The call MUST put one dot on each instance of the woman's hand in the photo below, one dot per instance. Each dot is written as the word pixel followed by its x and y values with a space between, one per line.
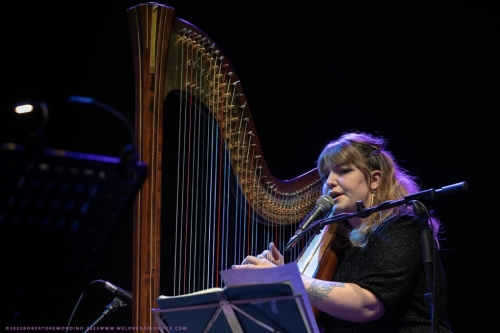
pixel 267 259
pixel 273 255
pixel 254 262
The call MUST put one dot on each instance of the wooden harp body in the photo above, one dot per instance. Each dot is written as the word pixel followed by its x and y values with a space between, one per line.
pixel 209 199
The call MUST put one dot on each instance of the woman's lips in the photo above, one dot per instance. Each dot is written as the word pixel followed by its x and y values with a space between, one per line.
pixel 335 195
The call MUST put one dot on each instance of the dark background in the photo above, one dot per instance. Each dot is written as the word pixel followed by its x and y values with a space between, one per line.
pixel 422 74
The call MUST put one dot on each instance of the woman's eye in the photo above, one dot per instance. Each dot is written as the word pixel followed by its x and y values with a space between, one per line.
pixel 343 171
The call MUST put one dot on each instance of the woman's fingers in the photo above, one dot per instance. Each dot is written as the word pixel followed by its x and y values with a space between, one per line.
pixel 276 255
pixel 274 250
pixel 254 262
pixel 268 258
pixel 250 260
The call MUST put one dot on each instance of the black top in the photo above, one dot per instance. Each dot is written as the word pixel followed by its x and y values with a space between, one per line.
pixel 391 266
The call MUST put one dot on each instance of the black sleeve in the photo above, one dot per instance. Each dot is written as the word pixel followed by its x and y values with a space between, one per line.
pixel 393 261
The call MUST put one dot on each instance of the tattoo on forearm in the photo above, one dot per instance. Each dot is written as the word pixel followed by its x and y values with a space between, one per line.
pixel 319 290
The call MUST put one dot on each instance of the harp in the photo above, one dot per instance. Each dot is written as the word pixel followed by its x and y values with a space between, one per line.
pixel 209 199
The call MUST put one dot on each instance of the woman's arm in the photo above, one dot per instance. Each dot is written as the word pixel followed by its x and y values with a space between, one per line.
pixel 346 301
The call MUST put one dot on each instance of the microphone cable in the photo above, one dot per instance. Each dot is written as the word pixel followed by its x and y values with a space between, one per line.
pixel 78 302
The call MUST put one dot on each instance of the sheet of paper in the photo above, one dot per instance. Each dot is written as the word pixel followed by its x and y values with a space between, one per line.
pixel 286 273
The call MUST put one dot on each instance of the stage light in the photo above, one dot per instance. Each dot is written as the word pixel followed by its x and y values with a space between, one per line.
pixel 24 108
pixel 27 107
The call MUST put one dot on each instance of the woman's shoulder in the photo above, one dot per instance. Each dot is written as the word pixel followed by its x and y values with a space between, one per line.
pixel 400 232
pixel 402 220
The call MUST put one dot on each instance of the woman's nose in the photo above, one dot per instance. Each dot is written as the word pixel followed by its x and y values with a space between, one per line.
pixel 331 182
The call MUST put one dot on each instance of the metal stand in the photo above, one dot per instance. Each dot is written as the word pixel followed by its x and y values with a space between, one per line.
pixel 429 257
pixel 118 302
pixel 363 212
pixel 264 308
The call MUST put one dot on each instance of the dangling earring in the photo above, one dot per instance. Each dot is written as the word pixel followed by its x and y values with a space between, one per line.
pixel 373 196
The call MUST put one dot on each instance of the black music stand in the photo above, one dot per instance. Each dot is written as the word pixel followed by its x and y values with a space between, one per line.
pixel 61 204
pixel 259 308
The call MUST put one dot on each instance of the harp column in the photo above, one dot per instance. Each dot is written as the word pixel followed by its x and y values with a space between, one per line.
pixel 150 25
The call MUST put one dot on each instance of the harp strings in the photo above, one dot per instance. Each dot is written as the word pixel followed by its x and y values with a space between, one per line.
pixel 220 189
pixel 202 171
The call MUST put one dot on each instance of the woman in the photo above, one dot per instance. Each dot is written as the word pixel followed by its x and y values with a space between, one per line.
pixel 380 285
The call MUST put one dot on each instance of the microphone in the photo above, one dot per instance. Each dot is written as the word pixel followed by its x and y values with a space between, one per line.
pixel 127 295
pixel 324 204
pixel 122 298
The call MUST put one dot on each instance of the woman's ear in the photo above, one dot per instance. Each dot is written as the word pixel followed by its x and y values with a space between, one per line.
pixel 375 179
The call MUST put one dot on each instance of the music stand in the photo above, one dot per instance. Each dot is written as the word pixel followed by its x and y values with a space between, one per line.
pixel 259 308
pixel 63 204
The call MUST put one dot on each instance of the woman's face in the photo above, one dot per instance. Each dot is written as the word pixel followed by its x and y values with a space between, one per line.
pixel 347 185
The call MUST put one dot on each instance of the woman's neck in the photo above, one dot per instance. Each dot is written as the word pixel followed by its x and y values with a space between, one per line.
pixel 355 222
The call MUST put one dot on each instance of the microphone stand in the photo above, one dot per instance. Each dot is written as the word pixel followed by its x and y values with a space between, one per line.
pixel 429 257
pixel 364 212
pixel 118 302
pixel 428 244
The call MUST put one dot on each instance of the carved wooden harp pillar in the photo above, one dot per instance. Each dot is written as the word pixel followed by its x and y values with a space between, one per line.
pixel 209 199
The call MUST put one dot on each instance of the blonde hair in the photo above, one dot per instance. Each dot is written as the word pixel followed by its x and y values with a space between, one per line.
pixel 368 153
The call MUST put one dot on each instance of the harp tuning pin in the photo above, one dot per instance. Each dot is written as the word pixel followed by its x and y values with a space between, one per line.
pixel 230 74
pixel 235 83
pixel 256 156
pixel 243 106
pixel 246 119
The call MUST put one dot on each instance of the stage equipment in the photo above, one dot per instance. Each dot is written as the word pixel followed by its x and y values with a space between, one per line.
pixel 58 208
